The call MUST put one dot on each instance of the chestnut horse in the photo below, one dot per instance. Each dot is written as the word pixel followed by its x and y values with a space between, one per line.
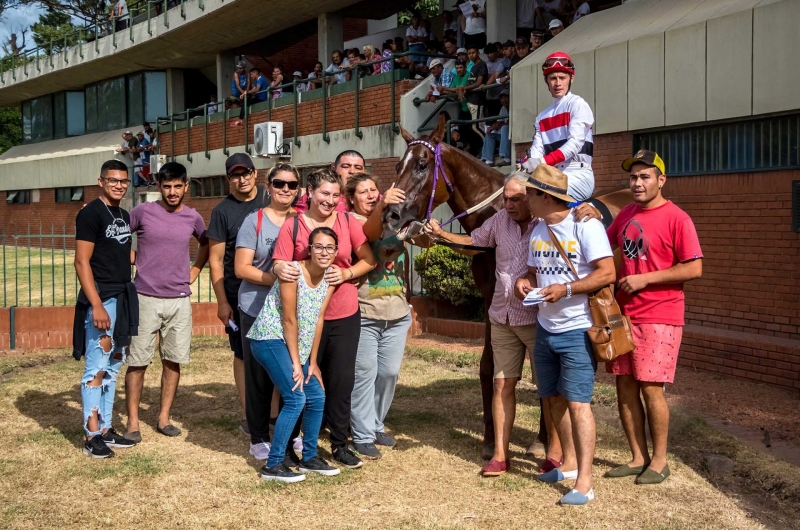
pixel 466 182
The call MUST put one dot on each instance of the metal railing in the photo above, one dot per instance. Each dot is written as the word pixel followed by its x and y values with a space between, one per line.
pixel 89 33
pixel 37 267
pixel 325 87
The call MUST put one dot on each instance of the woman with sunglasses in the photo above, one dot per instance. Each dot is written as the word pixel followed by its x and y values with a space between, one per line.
pixel 385 318
pixel 285 341
pixel 252 263
pixel 564 130
pixel 340 334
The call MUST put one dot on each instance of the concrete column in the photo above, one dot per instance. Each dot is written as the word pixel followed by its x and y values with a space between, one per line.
pixel 226 62
pixel 501 20
pixel 176 91
pixel 330 35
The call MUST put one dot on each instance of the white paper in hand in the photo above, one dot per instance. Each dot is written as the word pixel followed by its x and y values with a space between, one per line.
pixel 533 298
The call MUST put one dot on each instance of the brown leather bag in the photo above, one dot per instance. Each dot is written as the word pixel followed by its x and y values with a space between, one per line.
pixel 610 334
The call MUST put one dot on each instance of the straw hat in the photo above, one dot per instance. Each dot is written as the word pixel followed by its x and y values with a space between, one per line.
pixel 549 180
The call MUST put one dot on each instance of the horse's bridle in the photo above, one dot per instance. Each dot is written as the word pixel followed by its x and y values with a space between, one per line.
pixel 438 168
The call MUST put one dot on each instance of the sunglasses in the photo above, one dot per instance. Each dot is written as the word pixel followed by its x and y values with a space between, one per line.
pixel 279 184
pixel 558 61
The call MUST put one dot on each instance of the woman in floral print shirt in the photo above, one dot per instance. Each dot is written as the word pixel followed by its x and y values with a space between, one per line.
pixel 285 340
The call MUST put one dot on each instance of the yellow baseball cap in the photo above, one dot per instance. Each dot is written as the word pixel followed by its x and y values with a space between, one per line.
pixel 648 158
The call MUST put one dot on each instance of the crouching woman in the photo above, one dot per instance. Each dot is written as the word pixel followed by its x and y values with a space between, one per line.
pixel 284 340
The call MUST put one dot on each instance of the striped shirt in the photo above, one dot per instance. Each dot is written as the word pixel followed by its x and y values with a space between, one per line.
pixel 503 233
pixel 564 134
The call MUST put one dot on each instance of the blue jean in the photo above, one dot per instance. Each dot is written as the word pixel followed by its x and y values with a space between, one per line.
pixel 380 352
pixel 274 356
pixel 565 364
pixel 100 398
pixel 490 141
pixel 418 47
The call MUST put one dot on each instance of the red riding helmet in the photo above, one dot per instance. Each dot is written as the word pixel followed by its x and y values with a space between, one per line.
pixel 558 62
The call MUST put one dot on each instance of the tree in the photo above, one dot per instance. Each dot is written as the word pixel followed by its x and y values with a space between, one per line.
pixel 86 10
pixel 426 8
pixel 54 26
pixel 10 128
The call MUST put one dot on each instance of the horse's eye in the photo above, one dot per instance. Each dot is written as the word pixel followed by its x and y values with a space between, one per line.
pixel 423 166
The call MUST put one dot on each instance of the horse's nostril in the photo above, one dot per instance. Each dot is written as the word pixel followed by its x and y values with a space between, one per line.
pixel 393 216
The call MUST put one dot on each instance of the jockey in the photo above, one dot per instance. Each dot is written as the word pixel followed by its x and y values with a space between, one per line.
pixel 564 129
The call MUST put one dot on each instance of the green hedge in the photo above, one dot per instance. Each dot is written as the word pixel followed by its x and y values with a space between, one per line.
pixel 446 276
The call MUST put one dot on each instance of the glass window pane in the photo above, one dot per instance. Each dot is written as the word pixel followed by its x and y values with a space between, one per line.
pixel 135 100
pixel 90 93
pixel 76 124
pixel 59 115
pixel 26 121
pixel 111 104
pixel 155 95
pixel 42 119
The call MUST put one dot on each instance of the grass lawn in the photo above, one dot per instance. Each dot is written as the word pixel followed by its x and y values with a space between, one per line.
pixel 206 479
pixel 50 280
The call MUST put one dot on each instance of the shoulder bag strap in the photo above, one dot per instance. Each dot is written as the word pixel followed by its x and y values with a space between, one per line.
pixel 261 215
pixel 564 256
pixel 294 230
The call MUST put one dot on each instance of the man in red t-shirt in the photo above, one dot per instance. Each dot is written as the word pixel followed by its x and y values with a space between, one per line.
pixel 660 251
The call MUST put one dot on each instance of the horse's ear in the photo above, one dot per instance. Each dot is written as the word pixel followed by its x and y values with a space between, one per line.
pixel 438 133
pixel 406 135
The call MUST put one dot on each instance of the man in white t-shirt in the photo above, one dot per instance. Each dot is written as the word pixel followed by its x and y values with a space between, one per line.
pixel 565 363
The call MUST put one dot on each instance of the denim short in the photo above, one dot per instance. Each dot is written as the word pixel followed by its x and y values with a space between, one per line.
pixel 565 364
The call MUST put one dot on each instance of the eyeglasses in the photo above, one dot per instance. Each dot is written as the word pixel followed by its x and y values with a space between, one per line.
pixel 243 176
pixel 558 61
pixel 114 182
pixel 323 249
pixel 279 184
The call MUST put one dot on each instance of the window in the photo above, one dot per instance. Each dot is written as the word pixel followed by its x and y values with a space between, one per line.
pixel 18 197
pixel 69 194
pixel 42 118
pixel 210 187
pixel 155 95
pixel 135 100
pixel 76 116
pixel 754 145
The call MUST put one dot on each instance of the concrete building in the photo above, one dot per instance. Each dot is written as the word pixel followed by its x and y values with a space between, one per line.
pixel 710 86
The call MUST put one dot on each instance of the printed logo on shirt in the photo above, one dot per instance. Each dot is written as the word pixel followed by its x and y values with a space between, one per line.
pixel 119 230
pixel 635 242
pixel 549 260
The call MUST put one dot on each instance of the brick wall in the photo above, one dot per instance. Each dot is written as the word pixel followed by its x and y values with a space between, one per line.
pixel 302 55
pixel 374 106
pixel 743 315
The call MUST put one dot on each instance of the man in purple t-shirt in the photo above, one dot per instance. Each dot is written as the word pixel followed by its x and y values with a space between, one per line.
pixel 164 230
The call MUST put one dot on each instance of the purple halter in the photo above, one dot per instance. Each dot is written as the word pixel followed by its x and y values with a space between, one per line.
pixel 438 168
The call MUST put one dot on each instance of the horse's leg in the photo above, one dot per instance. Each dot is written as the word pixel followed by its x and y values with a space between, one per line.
pixel 483 266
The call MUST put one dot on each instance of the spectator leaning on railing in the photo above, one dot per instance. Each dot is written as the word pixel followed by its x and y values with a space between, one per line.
pixel 239 83
pixel 119 15
pixel 338 68
pixel 442 78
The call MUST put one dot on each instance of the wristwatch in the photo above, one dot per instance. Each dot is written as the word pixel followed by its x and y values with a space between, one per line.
pixel 569 291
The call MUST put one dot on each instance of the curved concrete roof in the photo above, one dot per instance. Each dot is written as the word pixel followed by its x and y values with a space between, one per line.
pixel 657 63
pixel 192 42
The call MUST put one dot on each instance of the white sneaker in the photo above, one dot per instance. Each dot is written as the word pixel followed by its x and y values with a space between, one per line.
pixel 260 451
pixel 297 443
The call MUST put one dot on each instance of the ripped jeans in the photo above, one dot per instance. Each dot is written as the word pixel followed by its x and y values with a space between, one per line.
pixel 100 398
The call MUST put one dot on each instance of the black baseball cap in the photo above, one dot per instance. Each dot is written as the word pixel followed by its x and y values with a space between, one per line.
pixel 523 41
pixel 648 158
pixel 508 44
pixel 239 160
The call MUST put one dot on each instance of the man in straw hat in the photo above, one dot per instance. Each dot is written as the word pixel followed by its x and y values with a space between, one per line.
pixel 565 364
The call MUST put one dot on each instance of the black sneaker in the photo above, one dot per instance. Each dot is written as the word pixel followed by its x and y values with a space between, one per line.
pixel 381 438
pixel 97 448
pixel 291 459
pixel 368 451
pixel 318 465
pixel 114 439
pixel 346 457
pixel 281 473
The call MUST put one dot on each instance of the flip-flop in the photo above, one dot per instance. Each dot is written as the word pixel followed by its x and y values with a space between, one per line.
pixel 169 430
pixel 549 465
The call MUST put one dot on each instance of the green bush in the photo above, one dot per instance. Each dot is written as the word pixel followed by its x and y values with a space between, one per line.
pixel 446 276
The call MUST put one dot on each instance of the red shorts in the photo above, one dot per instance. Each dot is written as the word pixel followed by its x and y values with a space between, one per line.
pixel 656 355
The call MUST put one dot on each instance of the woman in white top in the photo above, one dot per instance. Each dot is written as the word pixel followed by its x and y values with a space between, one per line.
pixel 416 36
pixel 474 25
